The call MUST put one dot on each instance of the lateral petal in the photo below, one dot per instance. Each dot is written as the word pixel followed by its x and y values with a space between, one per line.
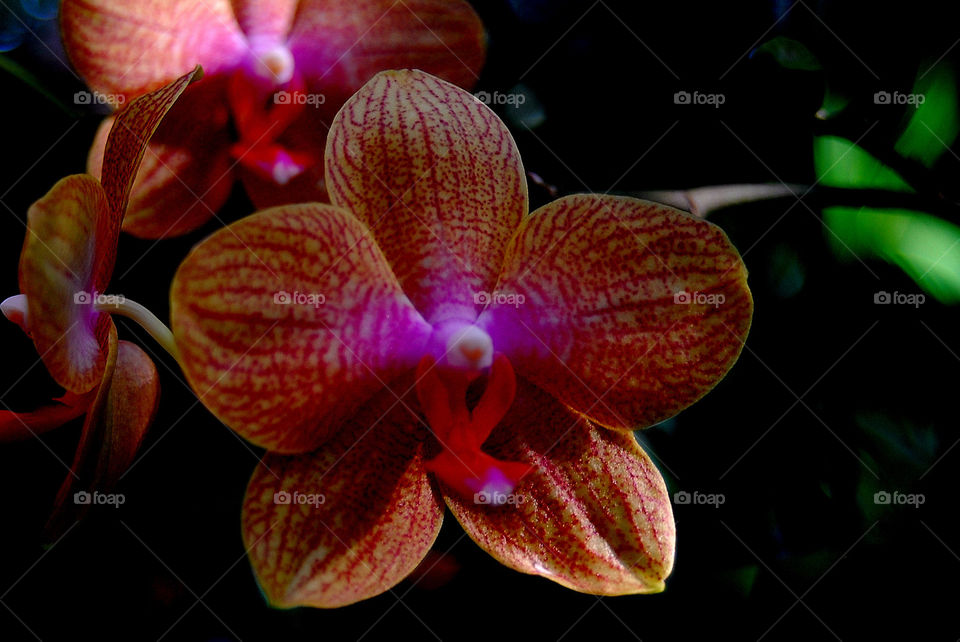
pixel 626 310
pixel 129 48
pixel 288 320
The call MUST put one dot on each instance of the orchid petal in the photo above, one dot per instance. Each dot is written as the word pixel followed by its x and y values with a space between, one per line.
pixel 185 175
pixel 132 129
pixel 115 426
pixel 71 242
pixel 437 178
pixel 626 310
pixel 265 20
pixel 129 48
pixel 348 521
pixel 288 320
pixel 339 45
pixel 594 515
pixel 61 266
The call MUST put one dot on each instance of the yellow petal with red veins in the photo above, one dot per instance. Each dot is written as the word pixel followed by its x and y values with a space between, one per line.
pixel 626 310
pixel 114 428
pixel 340 44
pixel 129 48
pixel 348 521
pixel 290 319
pixel 186 173
pixel 593 515
pixel 437 178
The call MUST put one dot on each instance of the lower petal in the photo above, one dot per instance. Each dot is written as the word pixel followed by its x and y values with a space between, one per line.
pixel 593 515
pixel 112 433
pixel 348 521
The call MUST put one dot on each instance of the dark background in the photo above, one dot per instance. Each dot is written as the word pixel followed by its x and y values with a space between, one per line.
pixel 833 399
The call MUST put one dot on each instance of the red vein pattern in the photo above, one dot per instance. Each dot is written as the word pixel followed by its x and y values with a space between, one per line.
pixel 336 45
pixel 594 515
pixel 130 48
pixel 379 515
pixel 285 375
pixel 600 325
pixel 437 177
pixel 341 44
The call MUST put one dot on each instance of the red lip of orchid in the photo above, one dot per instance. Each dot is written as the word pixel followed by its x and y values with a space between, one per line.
pixel 275 74
pixel 65 266
pixel 353 336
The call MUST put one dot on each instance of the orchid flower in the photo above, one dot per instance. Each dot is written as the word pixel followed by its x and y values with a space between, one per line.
pixel 423 340
pixel 65 267
pixel 276 72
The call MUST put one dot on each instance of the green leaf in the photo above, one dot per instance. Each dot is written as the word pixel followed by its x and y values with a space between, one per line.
pixel 839 162
pixel 934 124
pixel 927 248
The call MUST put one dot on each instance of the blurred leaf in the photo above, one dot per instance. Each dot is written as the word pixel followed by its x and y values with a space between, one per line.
pixel 935 122
pixel 925 247
pixel 838 162
pixel 789 54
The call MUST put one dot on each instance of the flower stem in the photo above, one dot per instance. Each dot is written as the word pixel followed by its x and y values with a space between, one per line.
pixel 146 319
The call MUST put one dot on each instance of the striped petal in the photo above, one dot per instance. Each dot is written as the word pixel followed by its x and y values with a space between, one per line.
pixel 185 175
pixel 437 177
pixel 339 45
pixel 129 48
pixel 626 310
pixel 348 521
pixel 594 515
pixel 112 432
pixel 288 320
pixel 71 242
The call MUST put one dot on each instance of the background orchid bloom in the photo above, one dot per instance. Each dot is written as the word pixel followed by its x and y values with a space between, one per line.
pixel 234 124
pixel 378 337
pixel 65 266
